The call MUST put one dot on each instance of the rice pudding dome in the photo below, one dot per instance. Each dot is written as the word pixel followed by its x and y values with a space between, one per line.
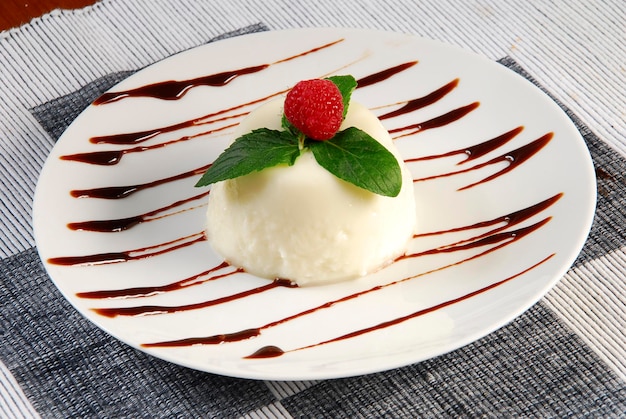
pixel 302 223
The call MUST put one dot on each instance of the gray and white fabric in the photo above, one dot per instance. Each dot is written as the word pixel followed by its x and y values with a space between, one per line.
pixel 565 357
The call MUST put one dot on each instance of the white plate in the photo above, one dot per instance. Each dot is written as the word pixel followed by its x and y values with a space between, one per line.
pixel 454 296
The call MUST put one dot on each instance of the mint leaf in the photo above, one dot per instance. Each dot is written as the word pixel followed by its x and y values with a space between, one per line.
pixel 288 126
pixel 252 152
pixel 346 85
pixel 354 156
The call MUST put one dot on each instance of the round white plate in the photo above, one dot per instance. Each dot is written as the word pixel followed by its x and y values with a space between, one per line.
pixel 458 287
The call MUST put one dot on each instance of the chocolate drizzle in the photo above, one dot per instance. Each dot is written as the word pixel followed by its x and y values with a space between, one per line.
pixel 439 121
pixel 155 309
pixel 514 158
pixel 121 224
pixel 502 231
pixel 475 151
pixel 128 255
pixel 175 89
pixel 112 157
pixel 429 99
pixel 154 290
pixel 384 74
pixel 119 192
pixel 491 241
pixel 273 351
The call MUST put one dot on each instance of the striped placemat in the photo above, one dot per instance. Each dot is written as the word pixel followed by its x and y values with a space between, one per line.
pixel 563 357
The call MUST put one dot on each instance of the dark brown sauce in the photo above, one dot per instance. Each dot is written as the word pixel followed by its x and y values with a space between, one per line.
pixel 496 240
pixel 436 122
pixel 119 192
pixel 175 89
pixel 506 221
pixel 311 51
pixel 384 75
pixel 128 255
pixel 486 243
pixel 147 291
pixel 130 138
pixel 270 351
pixel 514 158
pixel 156 309
pixel 211 340
pixel 121 224
pixel 475 151
pixel 144 135
pixel 112 157
pixel 415 314
pixel 429 99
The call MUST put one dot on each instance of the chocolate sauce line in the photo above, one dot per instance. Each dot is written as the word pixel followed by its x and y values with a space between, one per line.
pixel 514 158
pixel 113 157
pixel 436 122
pixel 384 74
pixel 144 135
pixel 504 239
pixel 421 102
pixel 176 89
pixel 493 237
pixel 475 151
pixel 122 224
pixel 274 351
pixel 161 309
pixel 311 51
pixel 507 221
pixel 137 137
pixel 128 255
pixel 154 290
pixel 119 192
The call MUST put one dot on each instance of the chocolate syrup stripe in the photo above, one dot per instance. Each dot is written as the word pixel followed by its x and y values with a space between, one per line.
pixel 156 309
pixel 437 122
pixel 513 159
pixel 119 192
pixel 421 102
pixel 112 157
pixel 274 351
pixel 475 151
pixel 128 255
pixel 176 89
pixel 507 221
pixel 154 290
pixel 122 224
pixel 140 136
pixel 504 239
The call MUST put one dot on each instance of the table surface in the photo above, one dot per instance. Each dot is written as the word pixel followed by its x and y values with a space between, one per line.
pixel 565 356
pixel 15 13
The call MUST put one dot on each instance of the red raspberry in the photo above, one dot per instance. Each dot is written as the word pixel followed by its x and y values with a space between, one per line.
pixel 315 107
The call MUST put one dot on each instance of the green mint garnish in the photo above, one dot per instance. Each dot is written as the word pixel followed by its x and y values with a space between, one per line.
pixel 354 156
pixel 346 85
pixel 252 152
pixel 351 155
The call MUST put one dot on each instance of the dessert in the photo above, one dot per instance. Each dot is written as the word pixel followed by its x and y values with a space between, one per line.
pixel 297 220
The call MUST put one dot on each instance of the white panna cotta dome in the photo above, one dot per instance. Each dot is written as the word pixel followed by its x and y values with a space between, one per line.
pixel 304 224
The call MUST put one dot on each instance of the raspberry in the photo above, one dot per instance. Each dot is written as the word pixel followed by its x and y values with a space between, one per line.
pixel 315 107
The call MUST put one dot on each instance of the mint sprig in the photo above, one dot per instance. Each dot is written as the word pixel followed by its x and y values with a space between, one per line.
pixel 351 155
pixel 356 157
pixel 252 152
pixel 346 85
